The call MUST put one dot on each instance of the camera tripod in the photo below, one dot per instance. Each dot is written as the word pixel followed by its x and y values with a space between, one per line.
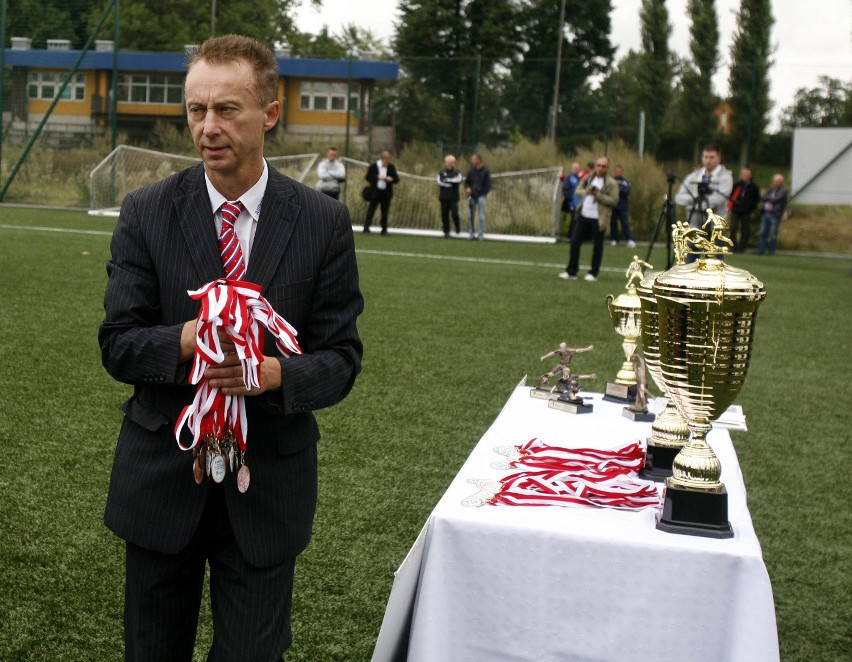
pixel 665 219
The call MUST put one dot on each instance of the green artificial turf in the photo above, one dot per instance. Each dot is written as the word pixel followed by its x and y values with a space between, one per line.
pixel 449 328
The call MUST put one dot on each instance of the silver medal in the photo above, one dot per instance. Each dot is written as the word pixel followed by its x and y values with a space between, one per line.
pixel 217 467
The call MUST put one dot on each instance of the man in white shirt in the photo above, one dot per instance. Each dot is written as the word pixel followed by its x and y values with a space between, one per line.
pixel 598 193
pixel 331 172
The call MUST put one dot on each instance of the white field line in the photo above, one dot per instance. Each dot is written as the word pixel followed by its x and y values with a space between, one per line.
pixel 364 251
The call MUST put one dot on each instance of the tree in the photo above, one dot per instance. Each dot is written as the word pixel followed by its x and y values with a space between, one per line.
pixel 450 54
pixel 698 99
pixel 586 54
pixel 655 73
pixel 828 104
pixel 748 79
pixel 41 20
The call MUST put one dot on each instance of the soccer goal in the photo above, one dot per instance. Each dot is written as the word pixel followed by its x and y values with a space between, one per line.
pixel 522 206
pixel 128 168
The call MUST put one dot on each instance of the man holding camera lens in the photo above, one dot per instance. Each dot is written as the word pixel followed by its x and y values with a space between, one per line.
pixel 708 187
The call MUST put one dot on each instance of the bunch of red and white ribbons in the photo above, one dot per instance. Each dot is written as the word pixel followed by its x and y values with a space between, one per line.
pixel 238 309
pixel 558 476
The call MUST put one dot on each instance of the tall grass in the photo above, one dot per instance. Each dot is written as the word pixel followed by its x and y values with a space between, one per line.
pixel 449 328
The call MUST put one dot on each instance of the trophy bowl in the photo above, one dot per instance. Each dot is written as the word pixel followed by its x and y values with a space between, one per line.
pixel 706 316
pixel 669 432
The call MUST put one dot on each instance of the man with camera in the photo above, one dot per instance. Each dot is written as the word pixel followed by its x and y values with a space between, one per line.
pixel 708 187
pixel 598 193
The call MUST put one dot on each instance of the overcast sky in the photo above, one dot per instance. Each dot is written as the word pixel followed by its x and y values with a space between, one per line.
pixel 811 38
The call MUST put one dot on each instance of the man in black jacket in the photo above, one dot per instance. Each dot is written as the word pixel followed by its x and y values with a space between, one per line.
pixel 382 177
pixel 477 185
pixel 744 199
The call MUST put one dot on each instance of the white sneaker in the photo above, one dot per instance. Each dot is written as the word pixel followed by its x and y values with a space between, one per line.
pixel 613 243
pixel 631 244
pixel 589 278
pixel 564 275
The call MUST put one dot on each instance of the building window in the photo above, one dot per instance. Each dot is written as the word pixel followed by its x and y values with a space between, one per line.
pixel 142 88
pixel 45 84
pixel 315 95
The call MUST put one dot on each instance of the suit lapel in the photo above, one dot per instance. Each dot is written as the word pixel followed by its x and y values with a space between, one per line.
pixel 278 215
pixel 196 223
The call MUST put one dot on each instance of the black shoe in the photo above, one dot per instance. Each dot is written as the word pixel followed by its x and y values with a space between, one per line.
pixel 384 231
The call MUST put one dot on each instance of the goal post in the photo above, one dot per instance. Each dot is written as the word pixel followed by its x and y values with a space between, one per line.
pixel 522 205
pixel 128 168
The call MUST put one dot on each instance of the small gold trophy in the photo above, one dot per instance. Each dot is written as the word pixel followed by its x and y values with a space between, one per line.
pixel 624 311
pixel 669 432
pixel 707 312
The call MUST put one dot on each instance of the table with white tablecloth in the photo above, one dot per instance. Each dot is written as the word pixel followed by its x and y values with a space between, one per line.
pixel 513 583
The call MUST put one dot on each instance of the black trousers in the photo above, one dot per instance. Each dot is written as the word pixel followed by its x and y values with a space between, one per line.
pixel 251 606
pixel 450 207
pixel 381 200
pixel 586 229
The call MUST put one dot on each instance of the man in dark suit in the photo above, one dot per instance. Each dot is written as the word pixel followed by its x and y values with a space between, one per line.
pixel 297 244
pixel 382 177
pixel 743 202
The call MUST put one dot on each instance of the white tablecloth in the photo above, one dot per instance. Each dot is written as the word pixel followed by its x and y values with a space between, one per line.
pixel 498 583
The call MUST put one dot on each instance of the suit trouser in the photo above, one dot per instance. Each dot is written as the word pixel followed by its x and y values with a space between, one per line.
pixel 382 201
pixel 251 606
pixel 586 229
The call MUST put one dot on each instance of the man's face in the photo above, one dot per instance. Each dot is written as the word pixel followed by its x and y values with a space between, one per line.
pixel 601 166
pixel 619 171
pixel 475 161
pixel 710 159
pixel 777 181
pixel 332 155
pixel 745 175
pixel 449 164
pixel 226 118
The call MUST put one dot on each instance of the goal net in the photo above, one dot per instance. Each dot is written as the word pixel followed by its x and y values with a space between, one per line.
pixel 129 168
pixel 524 204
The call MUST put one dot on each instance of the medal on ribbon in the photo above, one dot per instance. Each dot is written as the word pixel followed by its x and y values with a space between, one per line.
pixel 218 422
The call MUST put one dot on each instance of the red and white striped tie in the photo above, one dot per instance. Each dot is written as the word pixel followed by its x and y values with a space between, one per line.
pixel 229 243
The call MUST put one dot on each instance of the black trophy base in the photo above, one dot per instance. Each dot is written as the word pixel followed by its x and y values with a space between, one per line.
pixel 571 406
pixel 695 513
pixel 542 393
pixel 638 416
pixel 620 393
pixel 658 462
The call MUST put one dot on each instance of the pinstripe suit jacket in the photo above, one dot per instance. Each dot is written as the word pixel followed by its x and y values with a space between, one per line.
pixel 303 256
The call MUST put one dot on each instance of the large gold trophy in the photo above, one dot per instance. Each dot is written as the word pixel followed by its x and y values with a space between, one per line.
pixel 625 313
pixel 706 313
pixel 669 432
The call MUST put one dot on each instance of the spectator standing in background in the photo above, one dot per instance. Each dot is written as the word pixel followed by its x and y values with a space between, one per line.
pixel 744 199
pixel 477 185
pixel 382 176
pixel 448 193
pixel 570 200
pixel 620 212
pixel 774 204
pixel 331 172
pixel 599 193
pixel 707 187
